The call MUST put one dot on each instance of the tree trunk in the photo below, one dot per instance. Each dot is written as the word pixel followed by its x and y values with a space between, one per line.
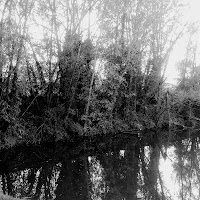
pixel 153 172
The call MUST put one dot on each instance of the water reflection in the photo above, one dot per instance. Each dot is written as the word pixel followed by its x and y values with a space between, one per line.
pixel 53 173
pixel 129 173
pixel 33 182
pixel 73 182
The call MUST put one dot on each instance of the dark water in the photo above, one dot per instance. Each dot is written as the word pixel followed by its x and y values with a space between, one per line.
pixel 108 170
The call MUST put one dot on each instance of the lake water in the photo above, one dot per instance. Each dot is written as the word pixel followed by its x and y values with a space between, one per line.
pixel 80 171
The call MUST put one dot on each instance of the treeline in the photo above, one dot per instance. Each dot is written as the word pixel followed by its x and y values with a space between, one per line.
pixel 53 86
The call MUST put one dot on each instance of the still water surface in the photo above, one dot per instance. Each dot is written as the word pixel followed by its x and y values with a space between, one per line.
pixel 57 171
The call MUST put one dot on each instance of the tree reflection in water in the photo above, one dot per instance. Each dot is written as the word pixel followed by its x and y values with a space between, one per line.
pixel 118 174
pixel 110 175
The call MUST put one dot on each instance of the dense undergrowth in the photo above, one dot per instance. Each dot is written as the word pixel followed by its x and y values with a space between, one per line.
pixel 79 103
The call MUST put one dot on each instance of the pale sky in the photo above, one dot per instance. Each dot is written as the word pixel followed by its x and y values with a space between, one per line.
pixel 192 14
